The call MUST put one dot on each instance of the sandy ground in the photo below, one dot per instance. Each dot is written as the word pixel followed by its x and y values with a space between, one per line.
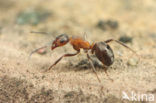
pixel 24 80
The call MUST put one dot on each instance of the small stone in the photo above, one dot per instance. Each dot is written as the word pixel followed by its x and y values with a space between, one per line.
pixel 153 36
pixel 132 62
pixel 125 39
pixel 107 24
pixel 112 24
pixel 70 94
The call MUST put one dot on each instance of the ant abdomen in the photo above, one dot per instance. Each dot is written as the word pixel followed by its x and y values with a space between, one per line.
pixel 104 53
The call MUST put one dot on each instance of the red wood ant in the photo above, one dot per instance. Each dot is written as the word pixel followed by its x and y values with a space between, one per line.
pixel 102 50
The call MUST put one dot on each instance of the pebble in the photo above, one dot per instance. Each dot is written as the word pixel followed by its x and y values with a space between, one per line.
pixel 107 24
pixel 132 62
pixel 125 39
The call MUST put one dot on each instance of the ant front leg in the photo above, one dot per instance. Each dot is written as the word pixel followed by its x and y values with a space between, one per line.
pixel 65 55
pixel 36 50
pixel 90 61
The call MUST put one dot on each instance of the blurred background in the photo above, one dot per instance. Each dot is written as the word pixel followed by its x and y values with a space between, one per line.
pixel 121 19
pixel 130 21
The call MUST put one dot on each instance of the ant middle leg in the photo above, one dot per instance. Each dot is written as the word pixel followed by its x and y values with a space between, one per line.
pixel 105 70
pixel 65 55
pixel 90 61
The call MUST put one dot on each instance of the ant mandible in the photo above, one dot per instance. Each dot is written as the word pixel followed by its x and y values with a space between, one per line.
pixel 102 50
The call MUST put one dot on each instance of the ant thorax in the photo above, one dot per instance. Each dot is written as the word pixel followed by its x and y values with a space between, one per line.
pixel 79 43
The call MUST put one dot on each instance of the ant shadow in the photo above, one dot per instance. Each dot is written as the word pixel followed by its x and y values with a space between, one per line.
pixel 82 66
pixel 85 65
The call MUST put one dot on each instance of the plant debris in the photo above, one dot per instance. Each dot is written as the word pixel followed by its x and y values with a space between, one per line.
pixel 32 16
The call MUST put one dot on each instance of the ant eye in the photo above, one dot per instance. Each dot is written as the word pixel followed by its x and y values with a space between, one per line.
pixel 108 47
pixel 63 40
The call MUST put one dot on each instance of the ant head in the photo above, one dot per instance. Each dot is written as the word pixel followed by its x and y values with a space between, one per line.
pixel 60 40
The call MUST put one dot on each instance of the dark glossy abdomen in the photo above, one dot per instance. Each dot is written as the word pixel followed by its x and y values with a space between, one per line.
pixel 104 53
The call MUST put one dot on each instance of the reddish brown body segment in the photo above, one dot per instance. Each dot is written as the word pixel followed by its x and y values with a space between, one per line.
pixel 79 43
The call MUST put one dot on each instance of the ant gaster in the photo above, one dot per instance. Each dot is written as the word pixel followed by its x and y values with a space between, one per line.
pixel 102 50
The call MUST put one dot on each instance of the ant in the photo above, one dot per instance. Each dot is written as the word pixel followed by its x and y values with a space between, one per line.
pixel 102 50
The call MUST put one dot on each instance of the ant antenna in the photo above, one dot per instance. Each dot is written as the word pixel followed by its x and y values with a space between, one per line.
pixel 45 46
pixel 39 32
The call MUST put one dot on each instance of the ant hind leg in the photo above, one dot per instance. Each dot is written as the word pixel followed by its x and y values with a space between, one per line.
pixel 105 70
pixel 110 40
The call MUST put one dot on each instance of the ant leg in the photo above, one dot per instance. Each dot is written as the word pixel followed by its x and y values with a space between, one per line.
pixel 110 40
pixel 45 46
pixel 90 61
pixel 105 70
pixel 36 50
pixel 65 55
